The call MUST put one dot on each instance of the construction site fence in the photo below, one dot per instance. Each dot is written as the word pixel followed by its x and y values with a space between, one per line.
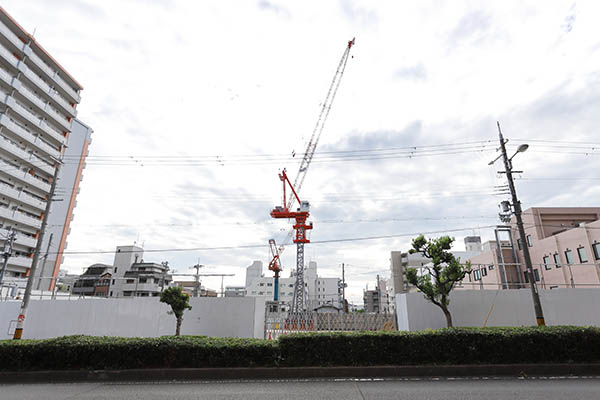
pixel 283 323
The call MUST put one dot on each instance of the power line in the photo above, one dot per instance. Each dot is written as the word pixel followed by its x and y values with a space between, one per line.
pixel 250 246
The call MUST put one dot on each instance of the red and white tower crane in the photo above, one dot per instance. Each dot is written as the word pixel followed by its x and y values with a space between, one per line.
pixel 301 214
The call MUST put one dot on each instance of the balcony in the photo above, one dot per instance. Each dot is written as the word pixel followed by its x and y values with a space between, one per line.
pixel 35 141
pixel 14 39
pixel 34 120
pixel 45 108
pixel 29 158
pixel 23 262
pixel 6 77
pixel 54 75
pixel 8 56
pixel 21 196
pixel 142 287
pixel 17 216
pixel 23 176
pixel 26 241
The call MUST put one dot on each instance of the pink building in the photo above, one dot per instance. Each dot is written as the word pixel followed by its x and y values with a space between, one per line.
pixel 564 243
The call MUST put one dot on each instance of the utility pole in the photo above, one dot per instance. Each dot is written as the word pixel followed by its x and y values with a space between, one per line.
pixel 6 253
pixel 44 264
pixel 378 296
pixel 537 305
pixel 165 265
pixel 36 256
pixel 197 286
pixel 344 303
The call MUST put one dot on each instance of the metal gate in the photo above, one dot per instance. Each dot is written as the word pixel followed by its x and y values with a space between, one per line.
pixel 282 323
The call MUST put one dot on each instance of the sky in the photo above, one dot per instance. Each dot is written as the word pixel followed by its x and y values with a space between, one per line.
pixel 197 106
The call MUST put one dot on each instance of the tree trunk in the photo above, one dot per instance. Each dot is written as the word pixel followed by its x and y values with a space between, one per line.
pixel 178 329
pixel 448 316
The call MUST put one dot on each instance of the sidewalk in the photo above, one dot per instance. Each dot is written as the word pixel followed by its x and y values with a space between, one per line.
pixel 191 374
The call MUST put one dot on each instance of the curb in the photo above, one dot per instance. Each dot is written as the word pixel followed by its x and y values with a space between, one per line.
pixel 198 374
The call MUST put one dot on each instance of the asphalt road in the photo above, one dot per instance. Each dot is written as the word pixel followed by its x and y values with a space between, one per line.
pixel 347 389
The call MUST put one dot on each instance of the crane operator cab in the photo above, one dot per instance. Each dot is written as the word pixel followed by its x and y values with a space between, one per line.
pixel 304 206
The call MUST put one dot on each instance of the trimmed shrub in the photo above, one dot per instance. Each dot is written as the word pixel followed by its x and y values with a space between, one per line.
pixel 90 352
pixel 555 344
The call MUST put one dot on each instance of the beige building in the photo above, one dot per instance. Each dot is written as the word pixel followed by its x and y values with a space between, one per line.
pixel 564 243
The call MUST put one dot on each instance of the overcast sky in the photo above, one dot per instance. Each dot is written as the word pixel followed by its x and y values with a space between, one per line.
pixel 176 91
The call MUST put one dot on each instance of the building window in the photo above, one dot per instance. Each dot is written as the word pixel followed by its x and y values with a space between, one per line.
pixel 537 275
pixel 261 284
pixel 142 280
pixel 596 248
pixel 115 270
pixel 483 271
pixel 547 265
pixel 529 241
pixel 557 263
pixel 113 282
pixel 569 256
pixel 269 284
pixel 520 244
pixel 526 276
pixel 129 281
pixel 254 292
pixel 582 254
pixel 477 275
pixel 111 293
pixel 491 267
pixel 261 293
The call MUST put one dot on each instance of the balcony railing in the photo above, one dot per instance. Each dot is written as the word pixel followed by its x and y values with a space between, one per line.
pixel 18 216
pixel 24 262
pixel 28 136
pixel 23 176
pixel 8 56
pixel 36 121
pixel 21 196
pixel 32 160
pixel 14 39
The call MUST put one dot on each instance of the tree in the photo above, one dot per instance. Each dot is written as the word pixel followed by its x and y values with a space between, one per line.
pixel 446 271
pixel 178 301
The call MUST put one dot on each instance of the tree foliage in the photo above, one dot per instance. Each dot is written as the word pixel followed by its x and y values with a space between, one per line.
pixel 443 274
pixel 178 301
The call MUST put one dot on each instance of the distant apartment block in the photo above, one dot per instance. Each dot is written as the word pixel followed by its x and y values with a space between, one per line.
pixel 564 244
pixel 128 276
pixel 235 291
pixel 38 100
pixel 318 290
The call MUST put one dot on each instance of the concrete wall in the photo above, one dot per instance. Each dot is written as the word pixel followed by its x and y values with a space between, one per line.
pixel 145 317
pixel 508 308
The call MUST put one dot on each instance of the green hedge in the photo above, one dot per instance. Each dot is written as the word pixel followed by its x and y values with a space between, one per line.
pixel 445 346
pixel 562 344
pixel 90 352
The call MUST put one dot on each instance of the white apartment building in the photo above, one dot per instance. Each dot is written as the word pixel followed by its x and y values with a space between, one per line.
pixel 319 290
pixel 38 100
pixel 401 261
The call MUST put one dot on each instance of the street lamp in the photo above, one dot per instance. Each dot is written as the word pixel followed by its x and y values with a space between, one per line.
pixel 537 305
